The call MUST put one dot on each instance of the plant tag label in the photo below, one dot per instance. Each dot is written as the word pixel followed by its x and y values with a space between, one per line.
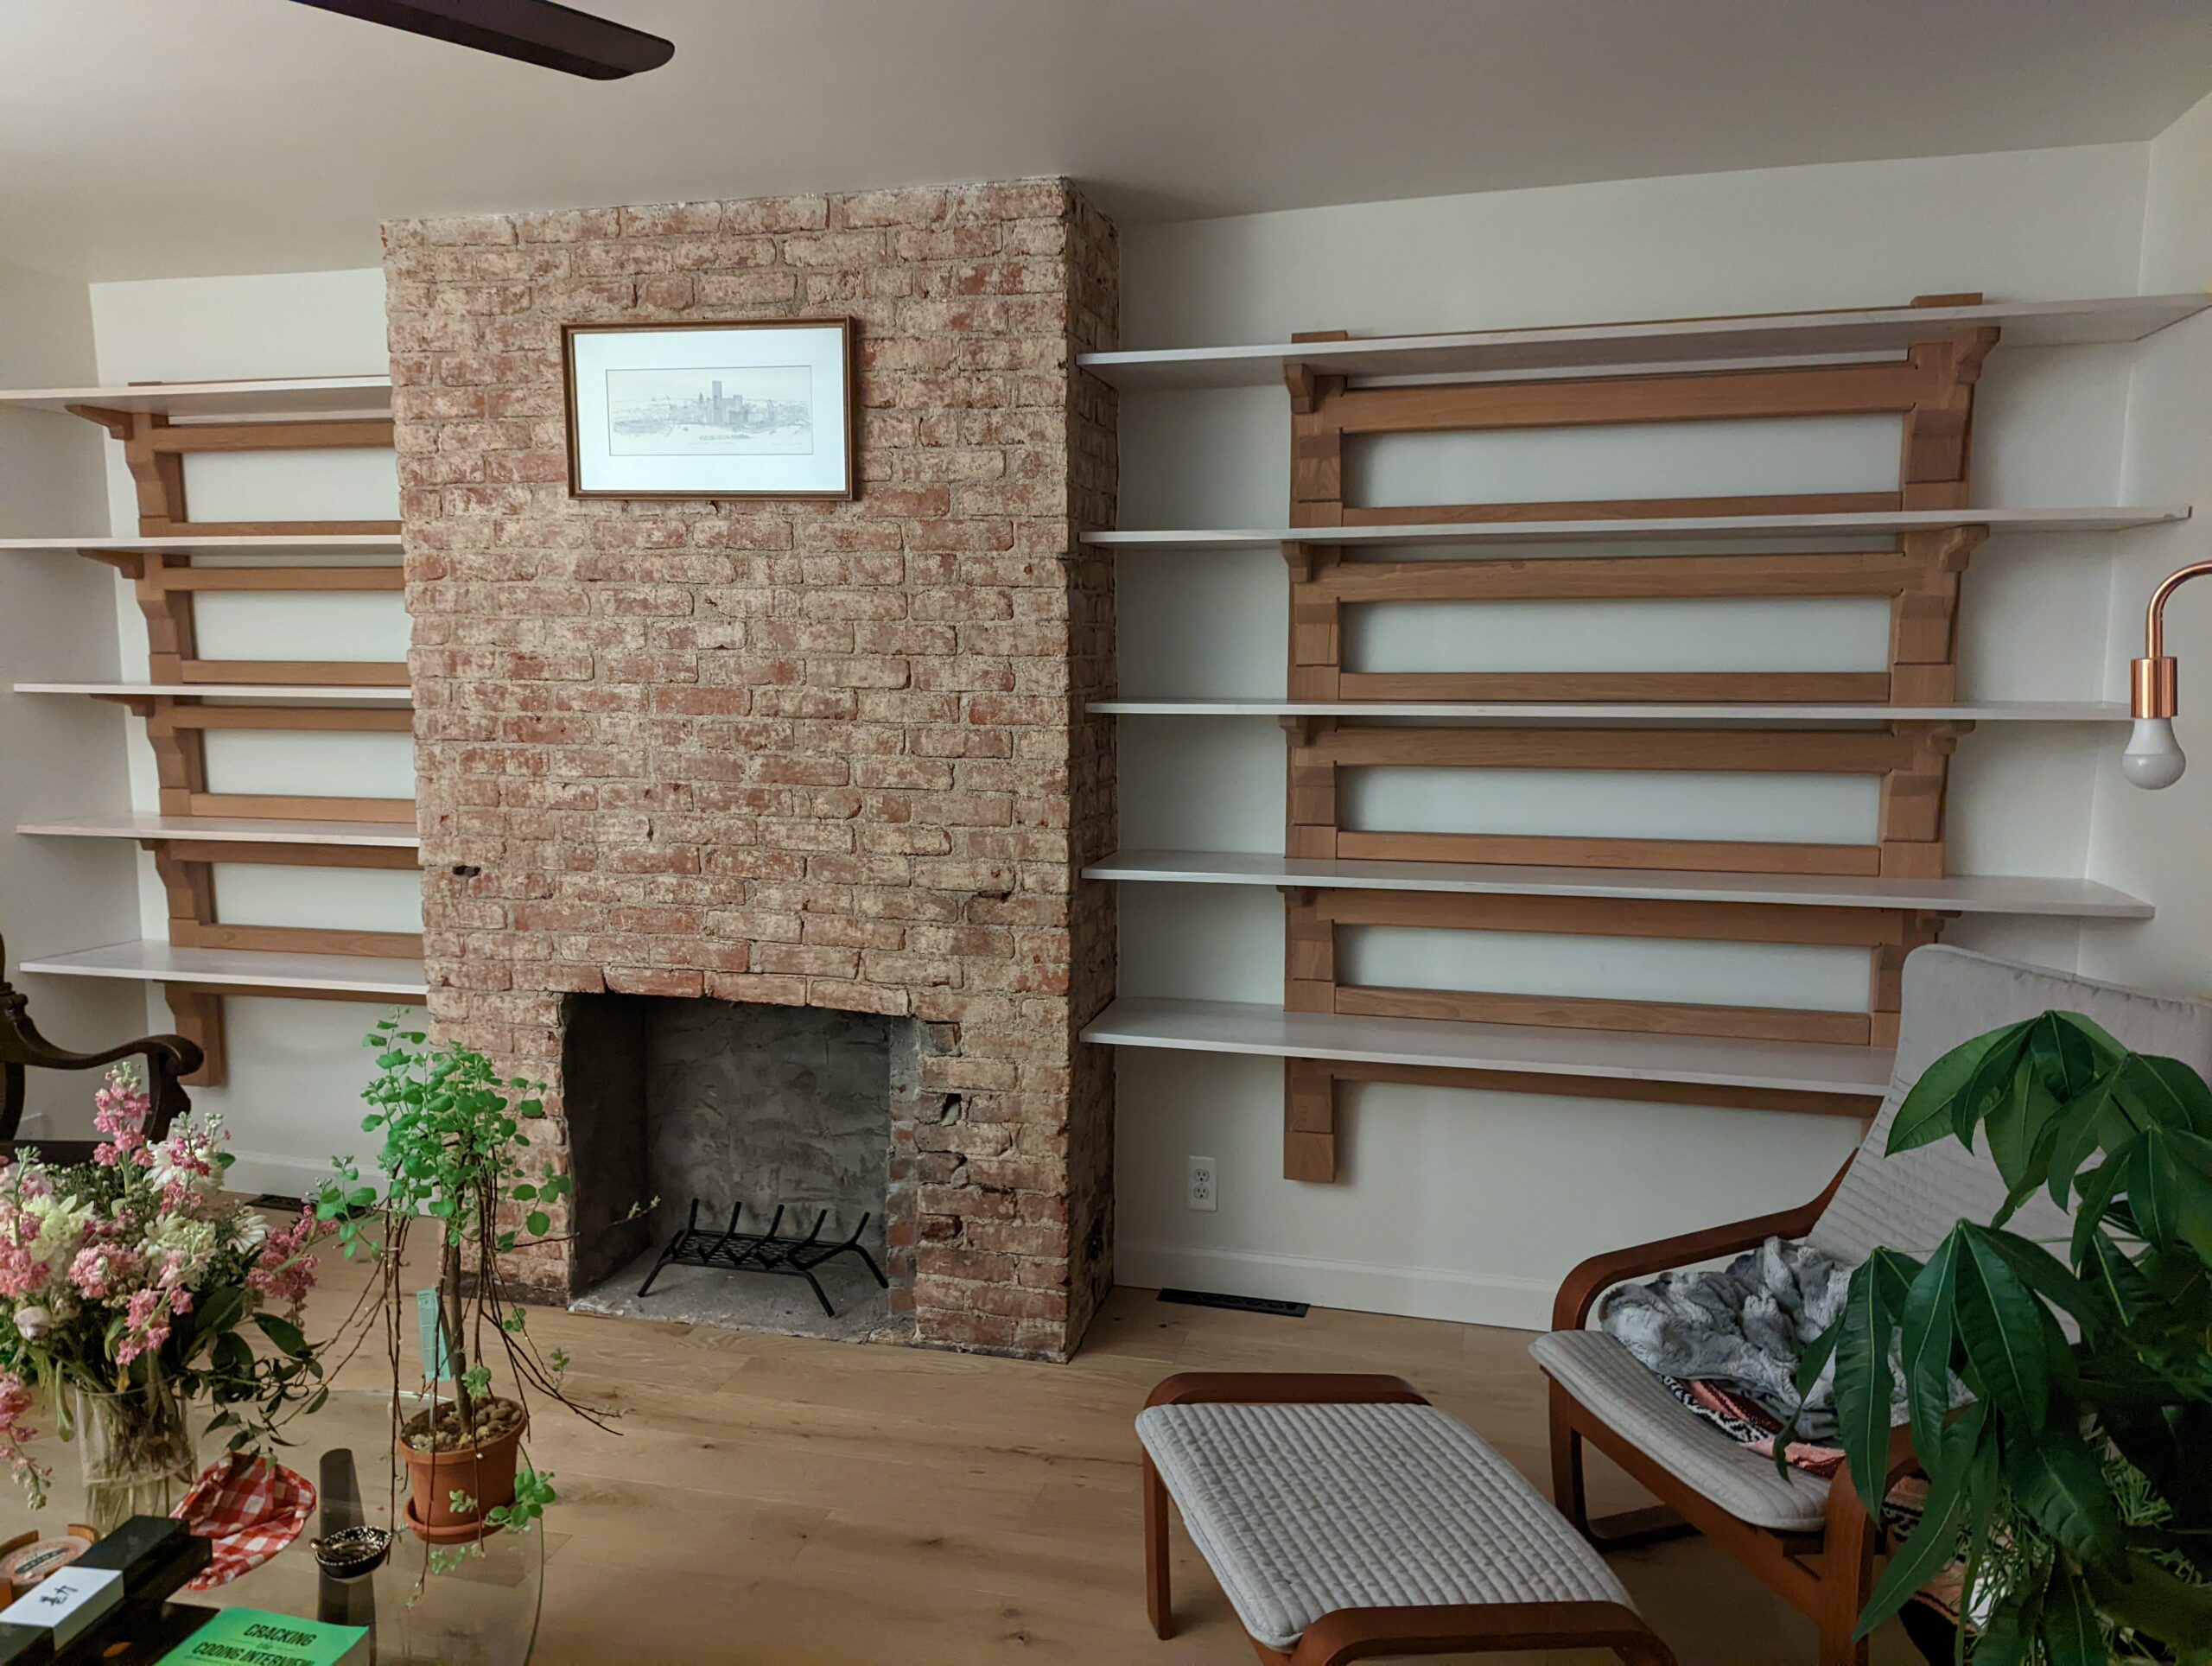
pixel 68 1603
pixel 437 1363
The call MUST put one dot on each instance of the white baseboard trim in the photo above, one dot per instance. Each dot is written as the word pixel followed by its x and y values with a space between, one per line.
pixel 1520 1304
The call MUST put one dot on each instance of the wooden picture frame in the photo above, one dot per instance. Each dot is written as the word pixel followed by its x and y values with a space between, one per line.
pixel 738 407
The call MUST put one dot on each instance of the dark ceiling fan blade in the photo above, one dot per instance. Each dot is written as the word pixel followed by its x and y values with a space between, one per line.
pixel 536 31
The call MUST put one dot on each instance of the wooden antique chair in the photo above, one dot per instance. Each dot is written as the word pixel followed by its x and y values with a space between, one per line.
pixel 170 1059
pixel 1809 1539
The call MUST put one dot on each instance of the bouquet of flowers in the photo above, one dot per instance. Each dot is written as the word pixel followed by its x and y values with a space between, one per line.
pixel 126 1284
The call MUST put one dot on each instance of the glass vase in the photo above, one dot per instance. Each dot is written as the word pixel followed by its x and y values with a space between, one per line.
pixel 137 1453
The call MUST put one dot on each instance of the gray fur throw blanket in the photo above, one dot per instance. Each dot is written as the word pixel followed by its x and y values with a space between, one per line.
pixel 1742 1327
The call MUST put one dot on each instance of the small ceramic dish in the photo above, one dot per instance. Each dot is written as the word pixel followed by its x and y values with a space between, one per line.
pixel 354 1551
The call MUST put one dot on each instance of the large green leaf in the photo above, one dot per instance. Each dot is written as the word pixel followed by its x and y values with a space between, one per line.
pixel 1928 1112
pixel 1926 1353
pixel 2099 1187
pixel 1936 1540
pixel 2071 1050
pixel 2049 1277
pixel 2096 1119
pixel 2167 1091
pixel 2006 1637
pixel 1810 1364
pixel 2129 1294
pixel 2059 1482
pixel 2013 1126
pixel 2071 1636
pixel 2155 1600
pixel 2154 1180
pixel 1863 1376
pixel 2002 1327
pixel 1990 1081
pixel 2065 1055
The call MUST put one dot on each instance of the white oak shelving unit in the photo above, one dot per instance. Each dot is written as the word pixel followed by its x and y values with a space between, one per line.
pixel 1671 346
pixel 358 543
pixel 225 830
pixel 289 399
pixel 1911 545
pixel 281 693
pixel 173 560
pixel 1675 529
pixel 1649 713
pixel 1586 1055
pixel 2062 899
pixel 388 978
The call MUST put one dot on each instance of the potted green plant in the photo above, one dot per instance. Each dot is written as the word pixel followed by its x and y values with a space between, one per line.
pixel 458 1162
pixel 2061 1404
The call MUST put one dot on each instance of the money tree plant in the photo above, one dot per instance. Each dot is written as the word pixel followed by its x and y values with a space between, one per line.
pixel 459 1163
pixel 2059 1394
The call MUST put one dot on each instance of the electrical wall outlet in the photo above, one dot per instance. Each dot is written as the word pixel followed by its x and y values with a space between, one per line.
pixel 1203 1190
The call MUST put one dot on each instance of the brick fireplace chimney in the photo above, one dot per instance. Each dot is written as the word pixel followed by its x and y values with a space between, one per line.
pixel 782 751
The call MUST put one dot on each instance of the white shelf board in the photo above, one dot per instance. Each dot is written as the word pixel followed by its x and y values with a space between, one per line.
pixel 1674 343
pixel 1648 529
pixel 1733 715
pixel 228 830
pixel 306 399
pixel 349 544
pixel 1960 894
pixel 161 963
pixel 1271 1032
pixel 287 694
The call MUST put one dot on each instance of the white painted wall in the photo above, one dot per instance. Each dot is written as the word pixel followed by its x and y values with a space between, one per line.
pixel 57 756
pixel 1470 1206
pixel 295 1066
pixel 2160 843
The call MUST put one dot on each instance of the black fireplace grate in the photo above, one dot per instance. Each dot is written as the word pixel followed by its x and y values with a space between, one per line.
pixel 772 1251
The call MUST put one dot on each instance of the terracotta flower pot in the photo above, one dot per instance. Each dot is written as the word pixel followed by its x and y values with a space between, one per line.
pixel 485 1473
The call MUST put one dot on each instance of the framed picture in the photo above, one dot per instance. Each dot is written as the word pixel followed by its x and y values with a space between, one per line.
pixel 762 408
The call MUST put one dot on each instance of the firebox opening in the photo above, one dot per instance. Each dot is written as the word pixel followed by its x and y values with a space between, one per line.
pixel 781 1114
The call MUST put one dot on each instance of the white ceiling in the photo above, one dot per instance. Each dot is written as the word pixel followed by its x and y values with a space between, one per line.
pixel 160 138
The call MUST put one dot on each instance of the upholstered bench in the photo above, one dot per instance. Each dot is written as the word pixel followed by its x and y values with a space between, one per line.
pixel 1347 1518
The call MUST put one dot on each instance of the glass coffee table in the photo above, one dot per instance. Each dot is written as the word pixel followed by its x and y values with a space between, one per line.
pixel 477 1608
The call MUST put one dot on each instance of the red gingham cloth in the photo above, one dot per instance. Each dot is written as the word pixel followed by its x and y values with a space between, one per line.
pixel 250 1508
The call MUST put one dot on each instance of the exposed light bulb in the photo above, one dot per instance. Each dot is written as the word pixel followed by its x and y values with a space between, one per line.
pixel 2153 759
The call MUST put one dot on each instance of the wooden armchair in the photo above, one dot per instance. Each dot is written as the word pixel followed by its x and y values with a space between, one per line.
pixel 1812 1541
pixel 170 1059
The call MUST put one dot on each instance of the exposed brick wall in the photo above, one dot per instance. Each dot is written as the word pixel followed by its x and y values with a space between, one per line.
pixel 823 754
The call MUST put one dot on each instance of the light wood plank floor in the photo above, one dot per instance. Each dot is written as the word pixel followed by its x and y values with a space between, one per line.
pixel 772 1501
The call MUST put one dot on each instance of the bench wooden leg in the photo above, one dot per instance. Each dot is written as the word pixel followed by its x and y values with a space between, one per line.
pixel 1354 1634
pixel 1568 1495
pixel 1158 1600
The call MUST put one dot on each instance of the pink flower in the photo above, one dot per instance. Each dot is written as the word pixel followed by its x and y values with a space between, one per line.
pixel 284 1273
pixel 100 1270
pixel 21 1273
pixel 145 1325
pixel 15 1434
pixel 121 1110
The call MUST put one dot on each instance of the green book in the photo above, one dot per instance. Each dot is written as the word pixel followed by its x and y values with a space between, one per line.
pixel 248 1636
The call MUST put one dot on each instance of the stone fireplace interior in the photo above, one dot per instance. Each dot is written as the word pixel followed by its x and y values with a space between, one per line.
pixel 769 1119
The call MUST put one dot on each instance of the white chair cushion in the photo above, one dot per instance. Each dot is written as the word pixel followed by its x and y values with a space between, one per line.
pixel 1628 1399
pixel 1951 995
pixel 1303 1510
